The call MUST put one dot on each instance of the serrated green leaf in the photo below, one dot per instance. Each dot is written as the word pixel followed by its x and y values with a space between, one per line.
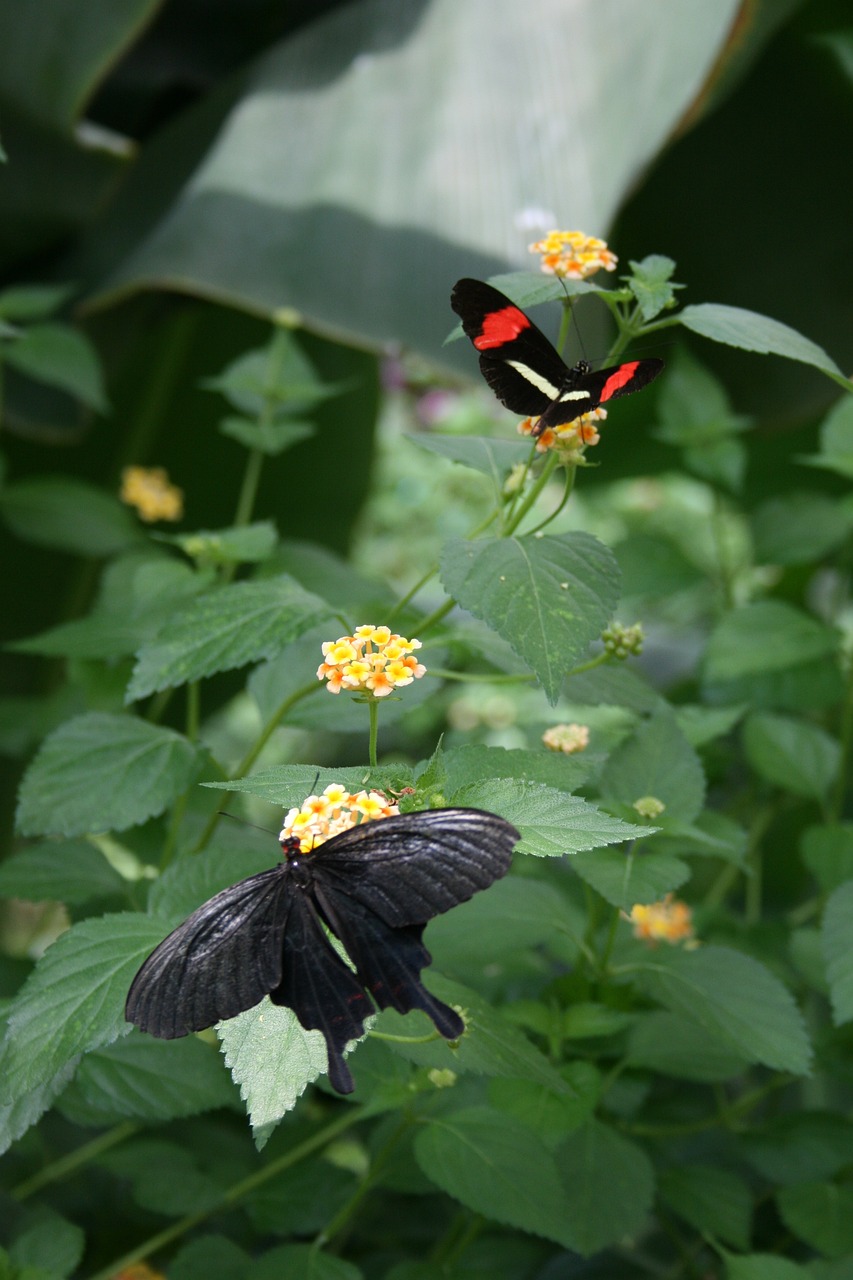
pixel 191 880
pixel 548 597
pixel 703 724
pixel 552 823
pixel 272 1058
pixel 734 997
pixel 808 1146
pixel 680 1047
pixel 18 1116
pixel 214 1257
pixel 300 1200
pixel 766 636
pixel 827 851
pixel 549 1115
pixel 302 1262
pixel 713 1200
pixel 68 515
pixel 74 999
pixel 49 1243
pixel 836 440
pixel 651 284
pixel 496 1166
pixel 609 1185
pixel 799 528
pixel 62 357
pixel 792 754
pixel 148 1079
pixel 166 1178
pixel 249 544
pixel 821 1214
pixel 71 871
pixel 241 623
pixel 657 761
pixel 288 784
pixel 838 951
pixel 763 1266
pixel 476 762
pixel 270 438
pixel 102 772
pixel 753 332
pixel 493 458
pixel 587 1020
pixel 624 879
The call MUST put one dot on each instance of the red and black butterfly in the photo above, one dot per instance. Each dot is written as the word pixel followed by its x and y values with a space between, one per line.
pixel 374 886
pixel 526 373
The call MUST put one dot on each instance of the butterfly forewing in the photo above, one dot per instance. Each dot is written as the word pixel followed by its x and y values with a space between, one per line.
pixel 222 960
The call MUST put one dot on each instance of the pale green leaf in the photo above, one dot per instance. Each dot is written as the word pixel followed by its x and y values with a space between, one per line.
pixel 102 772
pixel 549 597
pixel 753 332
pixel 494 458
pixel 241 623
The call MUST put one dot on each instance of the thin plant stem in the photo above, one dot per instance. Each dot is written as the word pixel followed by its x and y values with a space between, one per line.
pixel 373 708
pixel 233 1194
pixel 532 497
pixel 436 616
pixel 345 1214
pixel 571 472
pixel 75 1160
pixel 483 677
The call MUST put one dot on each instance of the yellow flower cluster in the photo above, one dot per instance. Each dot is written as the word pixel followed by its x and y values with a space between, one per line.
pixel 321 817
pixel 567 738
pixel 573 255
pixel 373 659
pixel 149 490
pixel 668 921
pixel 570 437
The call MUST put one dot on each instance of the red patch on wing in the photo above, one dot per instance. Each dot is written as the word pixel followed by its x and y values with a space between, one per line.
pixel 500 327
pixel 618 379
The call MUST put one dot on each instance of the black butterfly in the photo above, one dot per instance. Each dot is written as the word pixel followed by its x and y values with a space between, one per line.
pixel 374 886
pixel 526 373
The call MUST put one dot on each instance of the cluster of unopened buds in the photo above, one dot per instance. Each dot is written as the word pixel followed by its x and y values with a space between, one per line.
pixel 573 255
pixel 569 437
pixel 567 738
pixel 372 660
pixel 150 491
pixel 336 810
pixel 622 642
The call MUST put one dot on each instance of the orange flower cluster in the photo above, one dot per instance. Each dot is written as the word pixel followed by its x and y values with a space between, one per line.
pixel 372 660
pixel 149 490
pixel 567 738
pixel 668 921
pixel 321 817
pixel 573 255
pixel 570 437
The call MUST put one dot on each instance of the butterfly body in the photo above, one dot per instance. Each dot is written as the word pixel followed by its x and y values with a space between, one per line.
pixel 526 372
pixel 375 886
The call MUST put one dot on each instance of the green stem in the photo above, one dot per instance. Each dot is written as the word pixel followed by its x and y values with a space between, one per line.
pixel 571 472
pixel 74 1160
pixel 607 950
pixel 485 677
pixel 347 1211
pixel 373 707
pixel 233 1194
pixel 551 463
pixel 836 807
pixel 249 487
pixel 435 617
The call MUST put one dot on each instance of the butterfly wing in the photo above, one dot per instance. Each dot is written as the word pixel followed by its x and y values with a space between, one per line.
pixel 521 366
pixel 411 867
pixel 321 990
pixel 223 959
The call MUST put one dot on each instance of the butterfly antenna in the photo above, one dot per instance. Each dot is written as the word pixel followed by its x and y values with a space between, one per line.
pixel 223 813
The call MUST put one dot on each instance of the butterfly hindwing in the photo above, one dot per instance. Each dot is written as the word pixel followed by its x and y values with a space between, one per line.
pixel 220 961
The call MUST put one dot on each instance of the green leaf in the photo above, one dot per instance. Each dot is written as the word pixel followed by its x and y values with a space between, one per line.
pixel 713 1200
pixel 836 440
pixel 766 636
pixel 808 1146
pixel 792 754
pixel 753 332
pixel 74 999
pixel 701 725
pixel 191 880
pixel 99 772
pixel 657 761
pixel 166 1178
pixel 624 879
pixel 677 1046
pixel 799 528
pixel 249 544
pixel 61 357
pixel 301 1200
pixel 71 871
pixel 18 1116
pixel 276 376
pixel 821 1214
pixel 301 1262
pixel 68 515
pixel 288 784
pixel 609 1185
pixel 33 301
pixel 475 762
pixel 548 597
pixel 652 286
pixel 549 1115
pixel 269 438
pixel 214 1257
pixel 241 623
pixel 733 997
pixel 495 1166
pixel 49 1243
pixel 148 1079
pixel 272 1059
pixel 551 822
pixel 827 851
pixel 587 1020
pixel 838 951
pixel 494 458
pixel 763 1266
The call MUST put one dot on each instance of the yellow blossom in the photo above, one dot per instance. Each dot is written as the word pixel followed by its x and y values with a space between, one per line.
pixel 321 817
pixel 573 255
pixel 149 490
pixel 569 437
pixel 372 660
pixel 668 921
pixel 567 738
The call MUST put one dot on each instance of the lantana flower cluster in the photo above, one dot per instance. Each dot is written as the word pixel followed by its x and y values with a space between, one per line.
pixel 569 437
pixel 336 810
pixel 669 920
pixel 573 255
pixel 568 738
pixel 150 491
pixel 373 660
